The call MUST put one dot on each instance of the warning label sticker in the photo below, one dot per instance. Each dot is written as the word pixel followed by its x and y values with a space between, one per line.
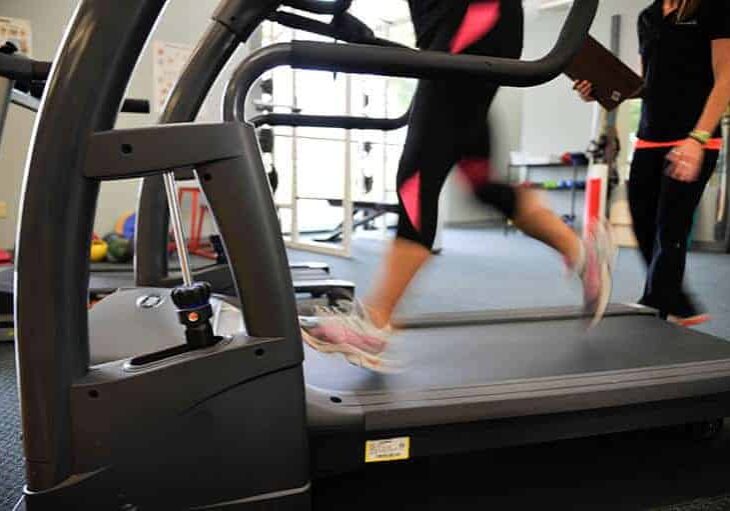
pixel 391 449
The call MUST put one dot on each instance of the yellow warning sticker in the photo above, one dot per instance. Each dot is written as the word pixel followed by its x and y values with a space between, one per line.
pixel 391 449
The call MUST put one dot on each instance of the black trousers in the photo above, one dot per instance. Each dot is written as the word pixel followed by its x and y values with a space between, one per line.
pixel 663 209
pixel 448 124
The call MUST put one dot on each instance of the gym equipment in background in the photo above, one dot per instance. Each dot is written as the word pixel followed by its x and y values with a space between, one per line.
pixel 575 163
pixel 119 248
pixel 370 211
pixel 99 250
pixel 125 225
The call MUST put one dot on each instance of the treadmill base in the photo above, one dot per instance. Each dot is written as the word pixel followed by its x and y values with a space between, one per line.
pixel 333 454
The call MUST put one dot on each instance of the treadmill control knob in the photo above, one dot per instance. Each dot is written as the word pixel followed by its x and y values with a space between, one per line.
pixel 194 311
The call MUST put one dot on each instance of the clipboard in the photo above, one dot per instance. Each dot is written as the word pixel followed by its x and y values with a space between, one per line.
pixel 613 81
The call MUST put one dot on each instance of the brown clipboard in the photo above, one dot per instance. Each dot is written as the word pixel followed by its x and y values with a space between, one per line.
pixel 613 81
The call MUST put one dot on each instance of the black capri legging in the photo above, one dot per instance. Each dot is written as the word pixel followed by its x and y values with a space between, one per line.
pixel 448 124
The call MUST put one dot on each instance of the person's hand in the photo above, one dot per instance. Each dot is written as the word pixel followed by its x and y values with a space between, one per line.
pixel 685 161
pixel 584 89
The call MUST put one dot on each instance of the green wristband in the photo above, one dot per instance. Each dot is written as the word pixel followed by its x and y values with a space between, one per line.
pixel 700 136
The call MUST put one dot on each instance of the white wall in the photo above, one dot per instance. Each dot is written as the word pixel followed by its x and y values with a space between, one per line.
pixel 183 22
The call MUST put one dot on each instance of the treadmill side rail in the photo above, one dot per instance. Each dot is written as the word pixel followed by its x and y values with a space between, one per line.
pixel 546 396
pixel 336 452
pixel 496 317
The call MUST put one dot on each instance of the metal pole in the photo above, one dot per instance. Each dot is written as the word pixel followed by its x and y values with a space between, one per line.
pixel 385 137
pixel 294 166
pixel 573 194
pixel 722 207
pixel 347 202
pixel 177 227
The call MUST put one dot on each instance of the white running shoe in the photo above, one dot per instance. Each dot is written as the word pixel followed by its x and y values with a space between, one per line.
pixel 350 333
pixel 599 254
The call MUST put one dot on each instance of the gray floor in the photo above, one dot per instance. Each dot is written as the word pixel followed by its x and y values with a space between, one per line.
pixel 483 269
pixel 11 459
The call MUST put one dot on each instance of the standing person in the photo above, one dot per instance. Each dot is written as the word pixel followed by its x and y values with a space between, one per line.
pixel 685 53
pixel 447 129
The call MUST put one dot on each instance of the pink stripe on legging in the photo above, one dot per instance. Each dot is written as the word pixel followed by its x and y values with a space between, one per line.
pixel 480 19
pixel 477 171
pixel 410 195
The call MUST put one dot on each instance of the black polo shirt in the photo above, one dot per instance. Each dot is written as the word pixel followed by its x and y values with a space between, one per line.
pixel 677 60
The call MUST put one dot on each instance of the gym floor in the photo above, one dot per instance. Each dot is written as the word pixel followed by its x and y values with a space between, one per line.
pixel 480 268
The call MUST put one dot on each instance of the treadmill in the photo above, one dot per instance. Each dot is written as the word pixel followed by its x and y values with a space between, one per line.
pixel 250 419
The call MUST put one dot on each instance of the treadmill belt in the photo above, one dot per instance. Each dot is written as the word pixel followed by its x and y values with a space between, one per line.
pixel 109 282
pixel 462 356
pixel 100 282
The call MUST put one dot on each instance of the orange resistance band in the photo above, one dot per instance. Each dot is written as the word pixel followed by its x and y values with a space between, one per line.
pixel 714 144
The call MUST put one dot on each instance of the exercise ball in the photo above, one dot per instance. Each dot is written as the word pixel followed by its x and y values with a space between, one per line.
pixel 99 250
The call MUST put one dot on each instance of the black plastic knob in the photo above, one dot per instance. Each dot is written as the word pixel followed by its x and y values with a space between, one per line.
pixel 194 311
pixel 190 297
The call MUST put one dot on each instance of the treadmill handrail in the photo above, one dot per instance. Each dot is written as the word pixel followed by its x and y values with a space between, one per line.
pixel 331 121
pixel 319 6
pixel 24 100
pixel 32 75
pixel 345 27
pixel 17 67
pixel 365 59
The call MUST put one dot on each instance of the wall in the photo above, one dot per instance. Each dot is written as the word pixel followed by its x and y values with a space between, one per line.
pixel 183 22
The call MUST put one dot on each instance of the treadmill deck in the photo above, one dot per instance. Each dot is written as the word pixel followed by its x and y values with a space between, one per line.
pixel 477 372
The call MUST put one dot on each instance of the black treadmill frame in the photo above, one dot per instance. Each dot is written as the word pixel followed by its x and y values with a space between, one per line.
pixel 335 452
